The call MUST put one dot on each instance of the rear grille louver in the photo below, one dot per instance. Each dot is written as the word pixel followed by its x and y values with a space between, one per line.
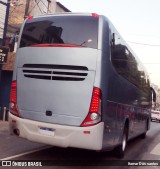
pixel 55 72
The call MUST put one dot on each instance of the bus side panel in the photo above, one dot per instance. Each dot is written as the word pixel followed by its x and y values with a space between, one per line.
pixel 102 79
pixel 121 99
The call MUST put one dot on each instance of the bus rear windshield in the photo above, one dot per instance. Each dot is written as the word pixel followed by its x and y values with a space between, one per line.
pixel 63 30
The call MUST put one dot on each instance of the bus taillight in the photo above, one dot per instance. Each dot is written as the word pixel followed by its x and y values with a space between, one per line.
pixel 13 99
pixel 94 115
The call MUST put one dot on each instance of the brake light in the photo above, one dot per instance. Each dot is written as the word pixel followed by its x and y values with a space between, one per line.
pixel 94 114
pixel 13 99
pixel 95 15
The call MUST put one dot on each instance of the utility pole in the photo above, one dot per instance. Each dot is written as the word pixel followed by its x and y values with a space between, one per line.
pixel 26 9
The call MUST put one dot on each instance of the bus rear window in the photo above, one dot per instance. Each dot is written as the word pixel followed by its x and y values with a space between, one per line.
pixel 73 30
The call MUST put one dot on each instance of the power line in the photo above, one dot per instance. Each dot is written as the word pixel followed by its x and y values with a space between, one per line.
pixel 144 44
pixel 34 6
pixel 46 6
pixel 40 9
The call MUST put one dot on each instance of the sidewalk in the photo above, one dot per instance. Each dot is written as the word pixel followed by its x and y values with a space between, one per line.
pixel 3 125
pixel 12 145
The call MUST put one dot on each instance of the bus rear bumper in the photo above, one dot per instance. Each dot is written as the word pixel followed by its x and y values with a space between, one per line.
pixel 58 135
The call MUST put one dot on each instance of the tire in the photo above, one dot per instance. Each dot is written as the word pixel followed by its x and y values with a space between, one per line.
pixel 143 136
pixel 120 150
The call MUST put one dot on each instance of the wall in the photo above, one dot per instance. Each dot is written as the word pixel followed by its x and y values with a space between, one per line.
pixel 156 105
pixel 2 17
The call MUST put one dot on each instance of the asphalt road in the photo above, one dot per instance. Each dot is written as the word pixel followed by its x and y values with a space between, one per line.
pixel 137 149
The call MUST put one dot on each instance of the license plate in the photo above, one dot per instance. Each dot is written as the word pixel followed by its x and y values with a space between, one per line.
pixel 47 131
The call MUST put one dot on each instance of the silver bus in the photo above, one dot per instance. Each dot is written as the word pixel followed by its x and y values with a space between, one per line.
pixel 76 83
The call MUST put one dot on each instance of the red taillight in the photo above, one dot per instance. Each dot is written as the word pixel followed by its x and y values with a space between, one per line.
pixel 94 107
pixel 13 99
pixel 94 114
pixel 13 96
pixel 95 15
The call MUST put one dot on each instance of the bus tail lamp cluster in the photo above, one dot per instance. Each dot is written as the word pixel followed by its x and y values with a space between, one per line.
pixel 94 115
pixel 13 99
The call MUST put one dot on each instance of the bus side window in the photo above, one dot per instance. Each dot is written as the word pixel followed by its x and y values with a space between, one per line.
pixel 118 56
pixel 127 65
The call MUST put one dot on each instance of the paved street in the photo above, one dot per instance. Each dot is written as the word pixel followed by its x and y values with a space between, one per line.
pixel 11 145
pixel 14 148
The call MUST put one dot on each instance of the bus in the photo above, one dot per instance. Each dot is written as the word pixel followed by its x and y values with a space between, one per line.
pixel 76 83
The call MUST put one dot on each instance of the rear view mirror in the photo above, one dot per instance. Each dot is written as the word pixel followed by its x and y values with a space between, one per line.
pixel 153 94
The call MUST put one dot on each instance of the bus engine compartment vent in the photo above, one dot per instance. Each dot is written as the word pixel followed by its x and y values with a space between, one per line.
pixel 55 72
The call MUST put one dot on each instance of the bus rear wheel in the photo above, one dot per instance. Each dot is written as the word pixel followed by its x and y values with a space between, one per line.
pixel 120 150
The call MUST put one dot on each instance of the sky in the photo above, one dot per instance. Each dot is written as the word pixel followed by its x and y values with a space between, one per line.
pixel 138 22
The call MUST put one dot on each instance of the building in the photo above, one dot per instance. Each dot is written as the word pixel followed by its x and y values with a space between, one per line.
pixel 2 18
pixel 19 10
pixel 156 105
